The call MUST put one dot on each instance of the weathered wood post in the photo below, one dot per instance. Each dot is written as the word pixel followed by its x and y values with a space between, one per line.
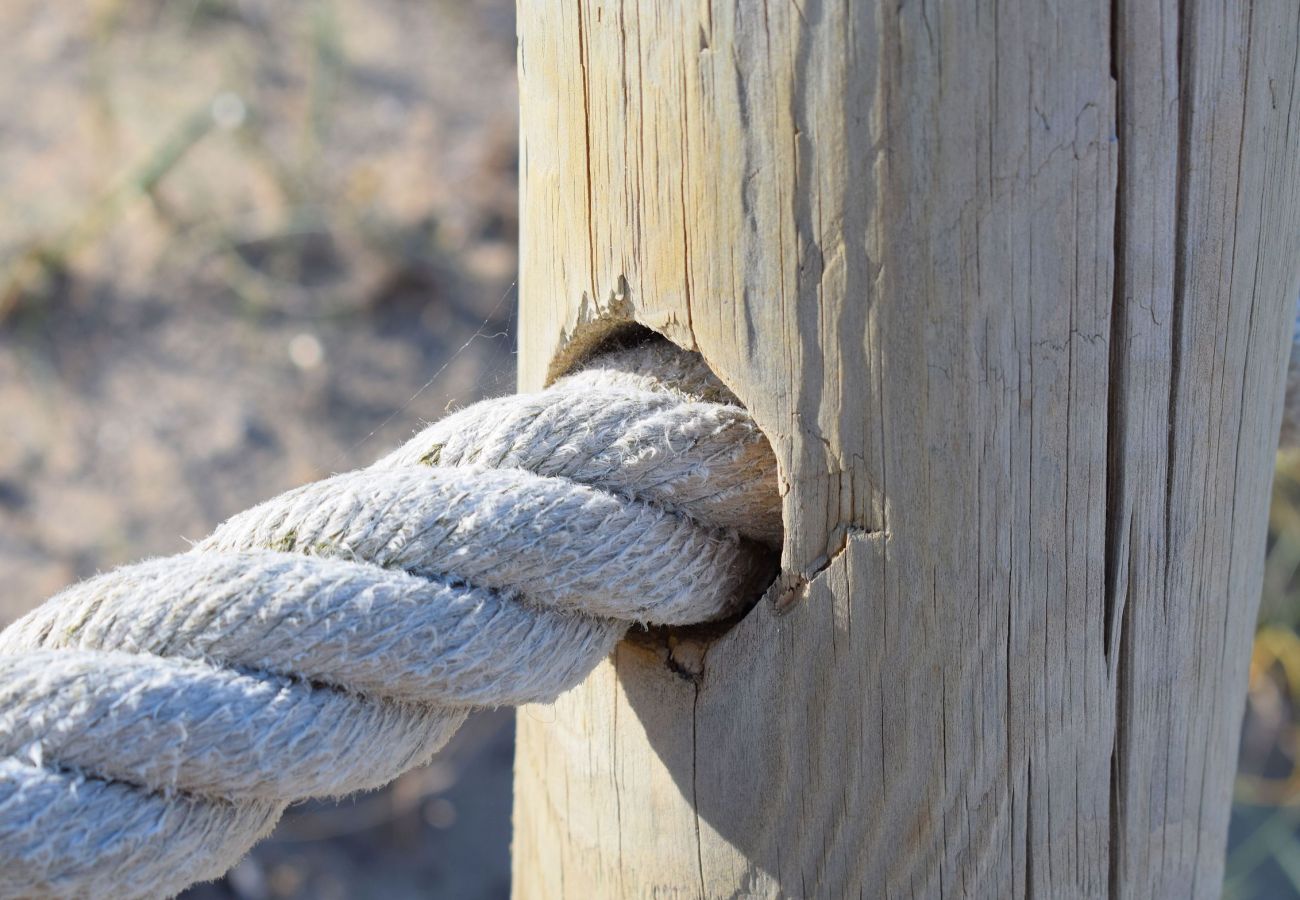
pixel 1008 285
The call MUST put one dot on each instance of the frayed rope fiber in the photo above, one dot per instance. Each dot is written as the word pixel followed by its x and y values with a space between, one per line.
pixel 156 720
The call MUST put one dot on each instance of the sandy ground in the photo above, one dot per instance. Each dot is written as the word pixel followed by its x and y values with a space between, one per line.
pixel 244 245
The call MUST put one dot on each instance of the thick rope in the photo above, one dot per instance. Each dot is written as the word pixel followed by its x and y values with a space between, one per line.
pixel 156 720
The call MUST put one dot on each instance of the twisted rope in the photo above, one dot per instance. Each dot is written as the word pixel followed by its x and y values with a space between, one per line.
pixel 156 720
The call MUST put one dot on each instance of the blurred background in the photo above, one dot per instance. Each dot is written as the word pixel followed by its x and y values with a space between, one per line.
pixel 246 244
pixel 1264 855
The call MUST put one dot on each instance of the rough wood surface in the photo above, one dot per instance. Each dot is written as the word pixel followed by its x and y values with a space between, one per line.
pixel 1009 286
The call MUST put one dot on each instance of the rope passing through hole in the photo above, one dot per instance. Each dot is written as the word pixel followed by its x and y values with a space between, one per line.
pixel 155 721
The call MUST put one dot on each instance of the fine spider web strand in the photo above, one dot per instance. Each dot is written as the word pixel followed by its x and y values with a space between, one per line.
pixel 478 333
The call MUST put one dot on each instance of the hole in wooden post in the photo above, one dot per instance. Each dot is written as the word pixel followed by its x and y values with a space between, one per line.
pixel 681 648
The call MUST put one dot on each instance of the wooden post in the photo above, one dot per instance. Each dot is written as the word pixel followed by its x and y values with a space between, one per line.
pixel 1008 284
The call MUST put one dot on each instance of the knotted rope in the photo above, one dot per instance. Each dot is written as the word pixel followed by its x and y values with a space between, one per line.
pixel 156 720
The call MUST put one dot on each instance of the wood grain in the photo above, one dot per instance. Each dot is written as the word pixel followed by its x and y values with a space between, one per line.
pixel 1008 286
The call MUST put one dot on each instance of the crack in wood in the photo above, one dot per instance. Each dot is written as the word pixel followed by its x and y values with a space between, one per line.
pixel 797 586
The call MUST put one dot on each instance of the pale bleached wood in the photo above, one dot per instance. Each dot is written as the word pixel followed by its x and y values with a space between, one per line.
pixel 1008 286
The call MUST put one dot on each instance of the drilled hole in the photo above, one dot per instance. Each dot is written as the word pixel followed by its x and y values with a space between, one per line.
pixel 669 641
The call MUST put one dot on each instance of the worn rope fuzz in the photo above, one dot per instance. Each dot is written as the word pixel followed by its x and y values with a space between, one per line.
pixel 155 721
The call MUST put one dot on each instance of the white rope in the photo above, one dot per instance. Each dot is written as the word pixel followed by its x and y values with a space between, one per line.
pixel 156 720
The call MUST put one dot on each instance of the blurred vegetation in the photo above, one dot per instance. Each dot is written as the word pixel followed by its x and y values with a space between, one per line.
pixel 1264 855
pixel 272 145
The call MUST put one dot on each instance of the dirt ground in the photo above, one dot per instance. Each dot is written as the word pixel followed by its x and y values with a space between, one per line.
pixel 245 244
